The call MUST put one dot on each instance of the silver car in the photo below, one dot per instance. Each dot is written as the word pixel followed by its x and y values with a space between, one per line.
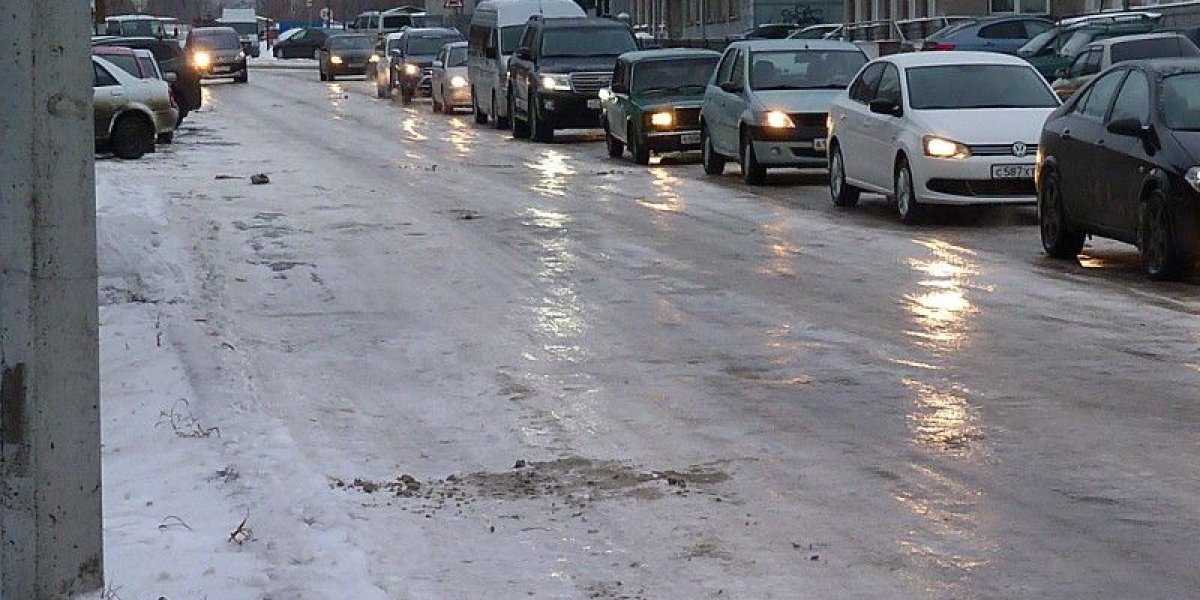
pixel 130 113
pixel 450 88
pixel 766 105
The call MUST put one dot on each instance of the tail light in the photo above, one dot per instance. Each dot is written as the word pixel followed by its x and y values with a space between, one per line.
pixel 935 46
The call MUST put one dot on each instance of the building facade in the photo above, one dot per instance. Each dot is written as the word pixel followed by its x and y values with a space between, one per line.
pixel 717 19
pixel 857 11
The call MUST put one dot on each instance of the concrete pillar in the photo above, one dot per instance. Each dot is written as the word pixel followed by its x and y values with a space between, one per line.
pixel 50 519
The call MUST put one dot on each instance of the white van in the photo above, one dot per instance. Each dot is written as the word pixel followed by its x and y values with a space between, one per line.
pixel 495 32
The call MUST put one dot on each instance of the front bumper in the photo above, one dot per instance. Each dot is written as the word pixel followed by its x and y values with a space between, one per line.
pixel 673 141
pixel 969 181
pixel 570 110
pixel 350 68
pixel 790 147
pixel 458 97
pixel 221 70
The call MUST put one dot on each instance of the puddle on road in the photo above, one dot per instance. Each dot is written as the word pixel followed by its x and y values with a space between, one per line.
pixel 555 173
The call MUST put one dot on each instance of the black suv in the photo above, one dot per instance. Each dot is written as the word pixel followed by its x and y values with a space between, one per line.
pixel 557 72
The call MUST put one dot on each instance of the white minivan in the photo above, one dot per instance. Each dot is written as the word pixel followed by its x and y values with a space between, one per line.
pixel 495 33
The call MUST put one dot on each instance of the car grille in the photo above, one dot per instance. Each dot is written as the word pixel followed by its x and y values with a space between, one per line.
pixel 590 83
pixel 1000 150
pixel 983 188
pixel 687 118
pixel 809 119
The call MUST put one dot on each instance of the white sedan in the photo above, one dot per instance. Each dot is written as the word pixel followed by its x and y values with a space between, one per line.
pixel 948 128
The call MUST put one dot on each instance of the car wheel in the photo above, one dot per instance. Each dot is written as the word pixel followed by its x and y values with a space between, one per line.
pixel 616 148
pixel 637 146
pixel 520 128
pixel 132 137
pixel 321 74
pixel 331 76
pixel 276 53
pixel 1164 254
pixel 752 172
pixel 906 198
pixel 1059 240
pixel 406 96
pixel 447 108
pixel 498 121
pixel 166 138
pixel 714 164
pixel 316 55
pixel 437 108
pixel 843 193
pixel 182 115
pixel 244 77
pixel 480 117
pixel 538 131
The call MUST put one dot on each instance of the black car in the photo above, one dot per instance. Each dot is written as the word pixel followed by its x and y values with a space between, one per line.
pixel 1119 160
pixel 217 52
pixel 766 31
pixel 302 45
pixel 558 70
pixel 346 54
pixel 171 59
pixel 412 59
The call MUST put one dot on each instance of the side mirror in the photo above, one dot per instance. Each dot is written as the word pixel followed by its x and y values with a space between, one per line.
pixel 886 107
pixel 170 77
pixel 524 54
pixel 730 87
pixel 1128 127
pixel 437 64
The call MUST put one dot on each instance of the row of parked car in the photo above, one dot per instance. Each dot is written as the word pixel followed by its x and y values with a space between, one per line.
pixel 145 86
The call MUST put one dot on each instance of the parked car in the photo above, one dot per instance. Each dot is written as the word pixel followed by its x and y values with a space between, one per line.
pixel 346 54
pixel 1055 48
pixel 495 33
pixel 766 106
pixel 177 70
pixel 450 87
pixel 1119 161
pixel 411 59
pixel 130 114
pixel 766 31
pixel 388 52
pixel 994 34
pixel 948 128
pixel 558 70
pixel 217 52
pixel 654 102
pixel 305 43
pixel 125 59
pixel 1104 54
pixel 824 31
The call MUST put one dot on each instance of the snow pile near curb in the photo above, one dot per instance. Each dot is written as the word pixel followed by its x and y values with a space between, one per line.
pixel 138 261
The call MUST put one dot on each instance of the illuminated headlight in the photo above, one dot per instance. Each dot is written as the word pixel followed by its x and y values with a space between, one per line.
pixel 662 119
pixel 411 69
pixel 374 58
pixel 201 59
pixel 943 148
pixel 1193 178
pixel 778 120
pixel 241 54
pixel 337 60
pixel 560 83
pixel 458 81
pixel 605 94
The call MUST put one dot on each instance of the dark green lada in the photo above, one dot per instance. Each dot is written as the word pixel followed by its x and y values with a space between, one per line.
pixel 654 102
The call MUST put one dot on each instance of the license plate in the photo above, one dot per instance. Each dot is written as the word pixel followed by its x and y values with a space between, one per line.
pixel 819 144
pixel 594 103
pixel 221 69
pixel 1012 171
pixel 689 139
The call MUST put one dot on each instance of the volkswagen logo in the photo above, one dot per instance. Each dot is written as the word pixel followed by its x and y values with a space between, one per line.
pixel 1019 149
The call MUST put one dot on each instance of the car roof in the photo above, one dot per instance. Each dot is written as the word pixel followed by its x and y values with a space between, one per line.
pixel 112 50
pixel 666 53
pixel 1134 38
pixel 353 35
pixel 760 45
pixel 430 31
pixel 131 18
pixel 597 22
pixel 206 30
pixel 1117 17
pixel 956 57
pixel 1165 66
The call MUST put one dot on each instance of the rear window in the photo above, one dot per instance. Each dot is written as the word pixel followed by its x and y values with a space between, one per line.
pixel 1153 48
pixel 227 40
pixel 351 42
pixel 457 57
pixel 127 63
pixel 147 65
pixel 430 44
pixel 591 41
pixel 977 86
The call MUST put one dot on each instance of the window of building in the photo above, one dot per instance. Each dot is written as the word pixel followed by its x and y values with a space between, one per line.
pixel 1020 6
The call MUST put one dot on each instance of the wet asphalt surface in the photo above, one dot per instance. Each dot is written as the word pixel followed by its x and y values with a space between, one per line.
pixel 936 411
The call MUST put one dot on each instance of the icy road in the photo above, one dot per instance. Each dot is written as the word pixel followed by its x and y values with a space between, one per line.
pixel 428 361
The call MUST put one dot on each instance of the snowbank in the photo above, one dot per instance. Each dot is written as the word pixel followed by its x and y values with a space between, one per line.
pixel 138 261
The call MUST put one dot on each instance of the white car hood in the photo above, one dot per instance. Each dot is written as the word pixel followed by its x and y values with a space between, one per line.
pixel 984 125
pixel 798 101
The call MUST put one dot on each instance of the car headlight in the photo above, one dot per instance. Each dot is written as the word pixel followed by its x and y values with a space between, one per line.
pixel 374 58
pixel 201 59
pixel 241 54
pixel 1193 178
pixel 411 69
pixel 778 120
pixel 605 94
pixel 942 148
pixel 662 119
pixel 337 60
pixel 458 81
pixel 560 83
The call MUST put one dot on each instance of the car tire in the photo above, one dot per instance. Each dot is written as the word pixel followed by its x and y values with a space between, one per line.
pixel 166 138
pixel 317 54
pixel 538 131
pixel 752 172
pixel 1059 239
pixel 714 163
pixel 447 108
pixel 321 74
pixel 498 122
pixel 182 115
pixel 276 53
pixel 616 148
pixel 132 137
pixel 1165 255
pixel 437 108
pixel 520 128
pixel 906 198
pixel 843 194
pixel 244 77
pixel 480 116
pixel 637 146
pixel 331 76
pixel 406 96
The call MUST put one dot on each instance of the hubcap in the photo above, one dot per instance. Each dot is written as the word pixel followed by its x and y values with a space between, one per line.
pixel 903 201
pixel 835 171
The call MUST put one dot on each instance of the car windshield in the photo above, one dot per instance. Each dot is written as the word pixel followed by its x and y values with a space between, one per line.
pixel 510 38
pixel 1039 42
pixel 593 41
pixel 216 41
pixel 397 21
pixel 666 76
pixel 351 42
pixel 429 45
pixel 244 28
pixel 1179 102
pixel 804 69
pixel 147 65
pixel 127 62
pixel 457 57
pixel 1153 48
pixel 977 86
pixel 288 34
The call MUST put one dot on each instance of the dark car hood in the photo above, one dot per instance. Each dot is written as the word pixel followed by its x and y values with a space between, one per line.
pixel 1189 142
pixel 352 52
pixel 656 101
pixel 573 64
